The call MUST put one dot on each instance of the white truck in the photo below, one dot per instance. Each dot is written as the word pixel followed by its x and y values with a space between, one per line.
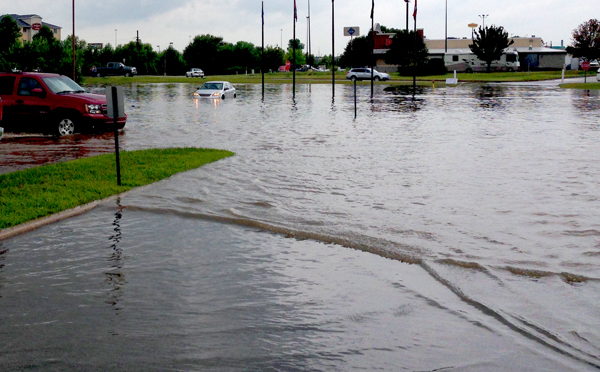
pixel 468 62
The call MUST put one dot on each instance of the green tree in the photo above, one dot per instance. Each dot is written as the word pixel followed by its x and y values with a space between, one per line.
pixel 489 44
pixel 141 56
pixel 300 57
pixel 407 50
pixel 45 53
pixel 205 52
pixel 358 52
pixel 245 56
pixel 273 58
pixel 10 45
pixel 586 41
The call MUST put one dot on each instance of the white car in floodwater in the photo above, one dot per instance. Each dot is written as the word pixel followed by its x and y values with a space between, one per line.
pixel 216 90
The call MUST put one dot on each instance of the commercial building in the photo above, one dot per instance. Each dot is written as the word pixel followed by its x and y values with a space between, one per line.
pixel 533 53
pixel 31 24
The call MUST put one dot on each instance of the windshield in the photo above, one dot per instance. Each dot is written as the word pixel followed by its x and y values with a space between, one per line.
pixel 62 84
pixel 212 86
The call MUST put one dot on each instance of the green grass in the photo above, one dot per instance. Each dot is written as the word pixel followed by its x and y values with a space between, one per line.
pixel 33 193
pixel 588 85
pixel 325 78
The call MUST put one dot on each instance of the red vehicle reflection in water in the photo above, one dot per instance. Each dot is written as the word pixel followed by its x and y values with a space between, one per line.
pixel 25 151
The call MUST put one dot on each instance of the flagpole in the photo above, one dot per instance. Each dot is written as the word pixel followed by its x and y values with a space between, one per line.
pixel 262 57
pixel 415 52
pixel 332 49
pixel 294 53
pixel 372 43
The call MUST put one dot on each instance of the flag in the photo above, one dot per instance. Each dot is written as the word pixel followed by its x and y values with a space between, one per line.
pixel 372 9
pixel 296 11
pixel 415 12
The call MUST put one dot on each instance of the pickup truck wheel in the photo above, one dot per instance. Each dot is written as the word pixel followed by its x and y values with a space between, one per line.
pixel 66 126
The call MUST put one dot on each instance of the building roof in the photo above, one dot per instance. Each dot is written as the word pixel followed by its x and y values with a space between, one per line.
pixel 22 24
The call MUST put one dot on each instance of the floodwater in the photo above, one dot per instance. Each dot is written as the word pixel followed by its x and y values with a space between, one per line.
pixel 454 230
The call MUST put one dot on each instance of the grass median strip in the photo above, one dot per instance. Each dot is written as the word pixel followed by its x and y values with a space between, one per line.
pixel 34 193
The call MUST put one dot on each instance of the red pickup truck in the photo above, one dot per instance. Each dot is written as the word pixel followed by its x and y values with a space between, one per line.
pixel 51 103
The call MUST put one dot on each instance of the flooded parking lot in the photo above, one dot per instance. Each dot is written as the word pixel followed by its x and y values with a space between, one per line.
pixel 485 197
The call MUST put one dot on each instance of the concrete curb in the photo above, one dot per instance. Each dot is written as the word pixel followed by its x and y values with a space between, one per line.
pixel 35 224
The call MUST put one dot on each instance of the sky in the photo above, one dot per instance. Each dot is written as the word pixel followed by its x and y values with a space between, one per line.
pixel 161 22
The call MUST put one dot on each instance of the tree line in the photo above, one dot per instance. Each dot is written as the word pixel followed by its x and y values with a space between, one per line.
pixel 208 52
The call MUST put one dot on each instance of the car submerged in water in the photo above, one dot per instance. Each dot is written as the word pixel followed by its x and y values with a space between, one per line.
pixel 216 90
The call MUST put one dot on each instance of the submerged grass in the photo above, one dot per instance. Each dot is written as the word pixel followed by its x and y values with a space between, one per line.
pixel 33 193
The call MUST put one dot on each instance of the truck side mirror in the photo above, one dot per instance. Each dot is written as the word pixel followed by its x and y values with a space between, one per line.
pixel 38 92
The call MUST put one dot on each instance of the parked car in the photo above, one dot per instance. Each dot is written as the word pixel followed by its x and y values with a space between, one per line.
pixel 51 103
pixel 115 69
pixel 216 90
pixel 195 72
pixel 364 73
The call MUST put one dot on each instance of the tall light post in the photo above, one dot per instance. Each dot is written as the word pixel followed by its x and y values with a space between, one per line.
pixel 115 38
pixel 482 16
pixel 446 39
pixel 307 37
pixel 281 38
pixel 407 1
pixel 309 43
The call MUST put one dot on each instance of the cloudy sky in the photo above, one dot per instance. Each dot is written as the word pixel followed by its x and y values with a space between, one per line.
pixel 160 22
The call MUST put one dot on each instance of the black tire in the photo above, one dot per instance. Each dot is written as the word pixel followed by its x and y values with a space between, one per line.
pixel 353 78
pixel 223 97
pixel 510 69
pixel 65 125
pixel 469 71
pixel 234 95
pixel 376 78
pixel 127 74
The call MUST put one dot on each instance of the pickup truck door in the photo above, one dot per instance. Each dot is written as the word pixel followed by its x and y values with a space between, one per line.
pixel 31 107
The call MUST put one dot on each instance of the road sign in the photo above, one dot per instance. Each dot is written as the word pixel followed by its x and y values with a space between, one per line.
pixel 351 31
pixel 585 65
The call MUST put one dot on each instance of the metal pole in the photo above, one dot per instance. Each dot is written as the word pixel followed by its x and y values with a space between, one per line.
pixel 294 56
pixel 446 39
pixel 332 48
pixel 406 16
pixel 262 54
pixel 372 45
pixel 415 57
pixel 115 103
pixel 73 40
pixel 309 42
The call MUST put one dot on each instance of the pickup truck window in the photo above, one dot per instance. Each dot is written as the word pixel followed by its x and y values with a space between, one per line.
pixel 26 85
pixel 7 84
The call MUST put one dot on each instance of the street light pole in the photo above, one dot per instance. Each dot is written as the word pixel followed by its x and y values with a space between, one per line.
pixel 406 1
pixel 115 38
pixel 446 39
pixel 482 16
pixel 281 45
